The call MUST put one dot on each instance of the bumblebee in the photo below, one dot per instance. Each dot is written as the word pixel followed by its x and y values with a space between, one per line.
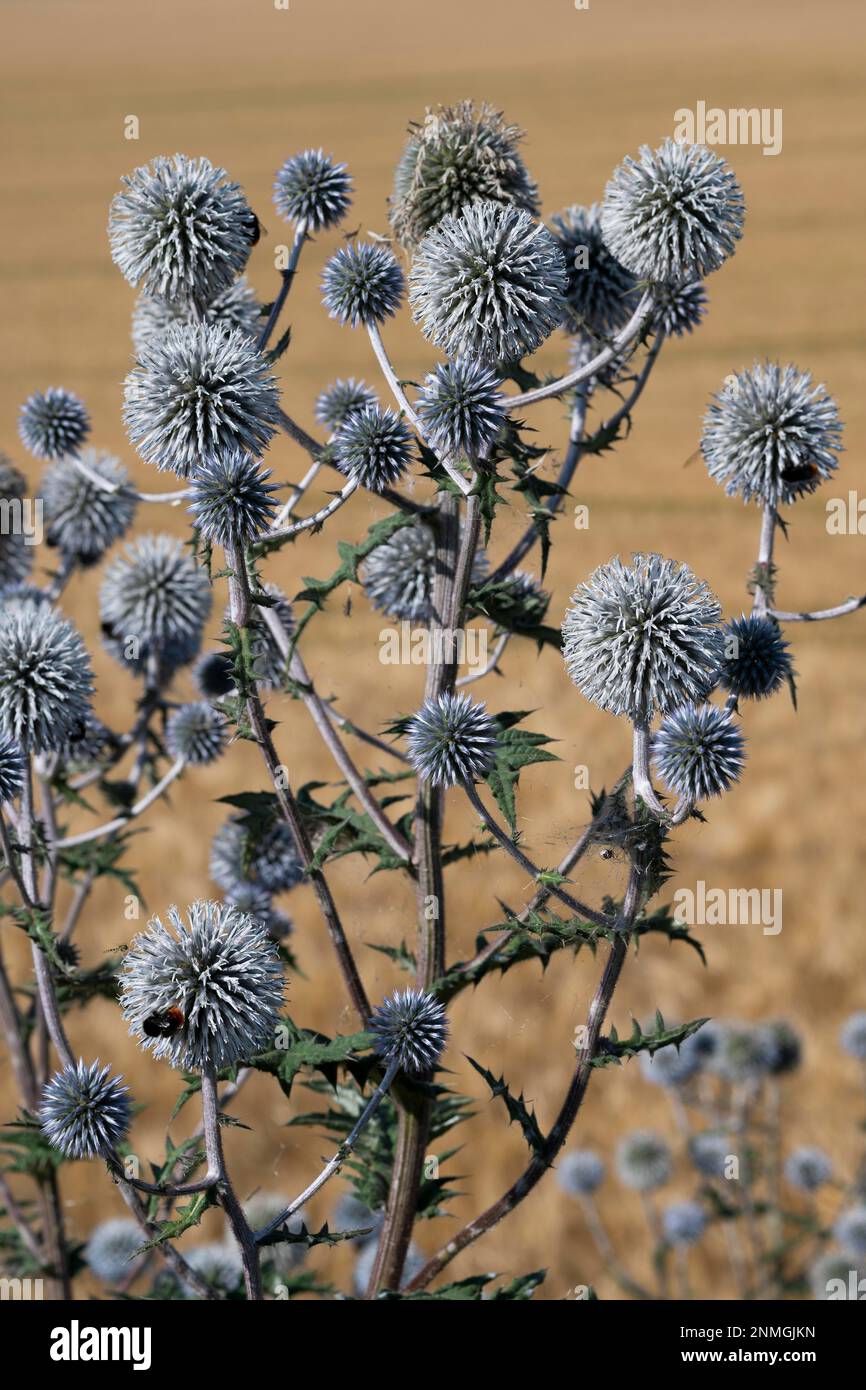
pixel 164 1024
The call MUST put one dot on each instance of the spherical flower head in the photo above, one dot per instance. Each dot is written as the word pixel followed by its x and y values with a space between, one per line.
pixel 461 408
pixel 313 189
pixel 683 1223
pixel 670 1066
pixel 154 599
pixel 849 1230
pixel 237 307
pixel 84 1111
pixel 699 751
pixel 220 968
pixel 16 556
pixel 853 1036
pixel 196 732
pixel 771 435
pixel 232 500
pixel 711 1153
pixel 53 423
pixel 519 598
pixel 267 861
pixel 86 743
pixel 452 739
pixel 600 294
pixel 84 520
pixel 580 1172
pixel 642 638
pixel 836 1276
pixel 756 657
pixel 45 677
pixel 643 1160
pixel 808 1168
pixel 374 446
pixel 488 284
pixel 398 575
pixel 458 155
pixel 11 769
pixel 679 308
pixel 673 214
pixel 214 675
pixel 362 284
pixel 343 399
pixel 180 229
pixel 742 1055
pixel 199 393
pixel 268 662
pixel 111 1249
pixel 410 1027
pixel 220 1266
pixel 784 1048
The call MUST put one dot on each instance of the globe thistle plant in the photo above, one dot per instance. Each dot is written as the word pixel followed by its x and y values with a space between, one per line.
pixel 84 520
pixel 853 1036
pixel 84 1111
pixel 11 769
pixel 180 229
pixel 670 1066
pixel 342 400
pixel 374 446
pixel 86 744
pixel 111 1249
pixel 699 751
pixel 580 1172
pixel 410 1029
pixel 600 294
pixel 743 1054
pixel 674 214
pixel 784 1048
pixel 199 393
pixel 260 1211
pixel 16 556
pixel 808 1168
pixel 268 662
pixel 643 1160
pixel 518 601
pixel 488 284
pixel 232 500
pixel 771 435
pixel 452 739
pixel 219 1265
pixel 156 599
pixel 849 1229
pixel 214 675
pixel 683 1223
pixel 53 423
pixel 398 575
pixel 362 284
pixel 711 1153
pixel 461 408
pixel 642 638
pixel 234 308
pixel 45 677
pixel 267 861
pixel 220 968
pixel 757 658
pixel 313 189
pixel 197 733
pixel 679 308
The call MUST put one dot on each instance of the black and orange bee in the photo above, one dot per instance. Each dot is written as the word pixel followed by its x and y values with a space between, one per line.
pixel 804 473
pixel 164 1024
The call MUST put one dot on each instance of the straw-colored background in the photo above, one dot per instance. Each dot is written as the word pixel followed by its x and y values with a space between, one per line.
pixel 248 85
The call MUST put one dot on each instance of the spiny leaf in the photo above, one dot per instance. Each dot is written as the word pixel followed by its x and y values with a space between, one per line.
pixel 515 1105
pixel 613 1049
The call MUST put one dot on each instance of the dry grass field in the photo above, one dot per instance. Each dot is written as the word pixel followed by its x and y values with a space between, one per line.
pixel 247 84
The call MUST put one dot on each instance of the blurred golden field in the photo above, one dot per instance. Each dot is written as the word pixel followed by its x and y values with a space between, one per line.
pixel 247 85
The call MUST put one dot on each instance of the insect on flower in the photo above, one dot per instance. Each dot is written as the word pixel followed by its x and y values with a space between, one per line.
pixel 164 1024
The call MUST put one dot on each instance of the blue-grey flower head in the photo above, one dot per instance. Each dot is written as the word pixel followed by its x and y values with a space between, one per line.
pixel 16 556
pixel 53 423
pixel 11 769
pixel 643 1160
pixel 180 229
pixel 111 1247
pixel 757 658
pixel 196 732
pixel 84 1110
pixel 643 637
pixel 268 662
pixel 198 393
pixel 410 1027
pixel 266 860
pixel 673 214
pixel 362 284
pixel 784 1047
pixel 237 307
pixel 457 155
pixel 771 435
pixel 742 1054
pixel 683 1223
pixel 679 308
pixel 849 1230
pixel 45 677
pixel 853 1036
pixel 86 744
pixel 220 1266
pixel 312 188
pixel 580 1172
pixel 374 446
pixel 398 575
pixel 712 1152
pixel 452 739
pixel 808 1168
pixel 488 284
pixel 341 400
pixel 699 751
pixel 836 1276
pixel 671 1066
pixel 84 520
pixel 154 600
pixel 220 968
pixel 214 675
pixel 232 500
pixel 601 294
pixel 461 408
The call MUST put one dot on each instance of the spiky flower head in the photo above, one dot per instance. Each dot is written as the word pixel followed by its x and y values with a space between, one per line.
pixel 220 968
pixel 180 229
pixel 461 408
pixel 196 732
pixel 362 284
pixel 312 188
pixel 154 599
pixel 849 1230
pixel 341 400
pixel 784 1048
pixel 580 1172
pixel 84 520
pixel 517 602
pixel 232 500
pixel 237 307
pixel 771 435
pixel 214 675
pixel 111 1248
pixel 374 446
pixel 410 1027
pixel 808 1168
pixel 600 294
pixel 756 657
pixel 742 1054
pixel 679 308
pixel 699 751
pixel 266 860
pixel 53 423
pixel 84 1111
pixel 488 284
pixel 673 214
pixel 13 483
pixel 853 1036
pixel 398 575
pixel 683 1223
pixel 45 677
pixel 643 637
pixel 711 1153
pixel 86 743
pixel 671 1066
pixel 198 393
pixel 268 661
pixel 643 1160
pixel 452 739
pixel 457 155
pixel 219 1265
pixel 11 769
pixel 16 556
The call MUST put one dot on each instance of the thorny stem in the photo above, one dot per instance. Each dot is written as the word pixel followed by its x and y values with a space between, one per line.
pixel 288 277
pixel 227 1196
pixel 119 822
